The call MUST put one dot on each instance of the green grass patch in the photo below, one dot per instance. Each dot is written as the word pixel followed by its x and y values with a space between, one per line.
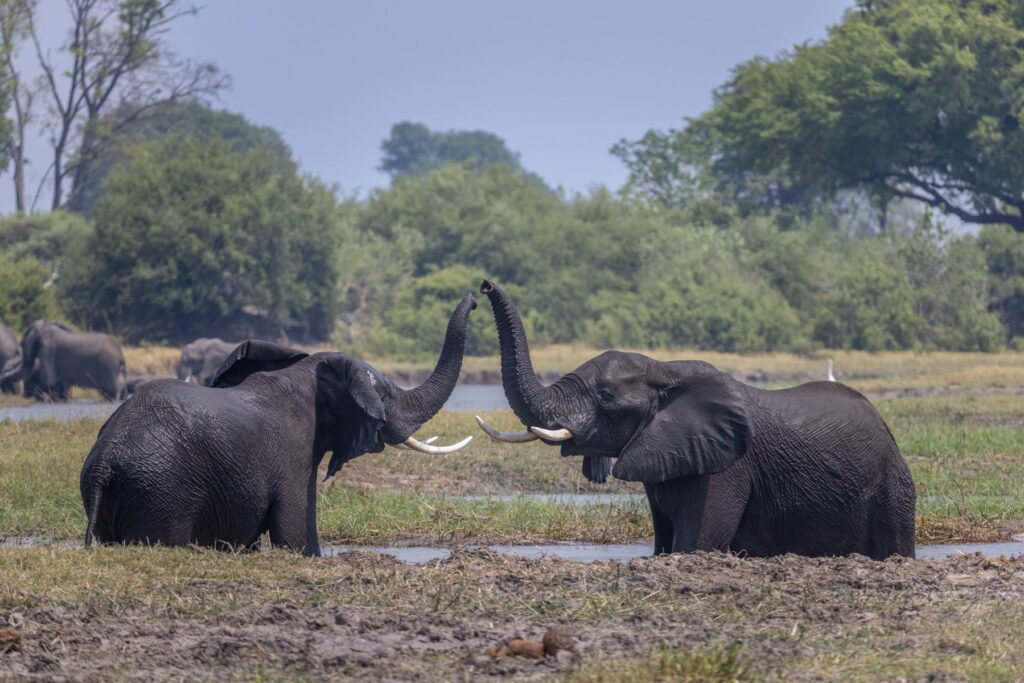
pixel 711 665
pixel 965 454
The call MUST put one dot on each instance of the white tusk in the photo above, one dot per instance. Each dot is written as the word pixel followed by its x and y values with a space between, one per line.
pixel 404 447
pixel 552 434
pixel 507 437
pixel 436 450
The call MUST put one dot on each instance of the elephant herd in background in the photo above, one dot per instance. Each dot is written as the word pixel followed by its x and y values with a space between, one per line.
pixel 812 470
pixel 51 358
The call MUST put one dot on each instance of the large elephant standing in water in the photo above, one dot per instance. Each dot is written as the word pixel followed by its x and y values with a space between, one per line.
pixel 201 359
pixel 10 360
pixel 811 470
pixel 179 463
pixel 55 358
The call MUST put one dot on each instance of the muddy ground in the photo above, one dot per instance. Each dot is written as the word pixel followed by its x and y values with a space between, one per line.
pixel 366 616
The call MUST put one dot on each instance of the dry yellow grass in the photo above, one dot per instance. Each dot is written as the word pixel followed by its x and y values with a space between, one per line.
pixel 151 360
pixel 866 371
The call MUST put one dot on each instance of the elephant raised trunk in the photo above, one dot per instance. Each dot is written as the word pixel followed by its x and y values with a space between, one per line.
pixel 413 407
pixel 530 400
pixel 537 406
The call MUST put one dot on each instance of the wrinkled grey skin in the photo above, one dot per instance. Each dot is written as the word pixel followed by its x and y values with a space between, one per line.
pixel 811 470
pixel 201 359
pixel 10 360
pixel 55 358
pixel 218 466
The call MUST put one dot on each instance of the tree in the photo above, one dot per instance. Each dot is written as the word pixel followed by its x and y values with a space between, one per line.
pixel 15 16
pixel 905 99
pixel 186 119
pixel 414 149
pixel 119 67
pixel 194 239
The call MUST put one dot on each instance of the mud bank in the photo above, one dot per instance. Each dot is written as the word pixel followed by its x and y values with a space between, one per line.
pixel 371 617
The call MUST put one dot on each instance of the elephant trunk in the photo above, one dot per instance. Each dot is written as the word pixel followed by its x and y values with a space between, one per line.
pixel 533 403
pixel 409 409
pixel 530 400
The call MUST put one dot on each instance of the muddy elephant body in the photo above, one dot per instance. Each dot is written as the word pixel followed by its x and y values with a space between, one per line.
pixel 56 358
pixel 10 360
pixel 201 359
pixel 726 466
pixel 180 463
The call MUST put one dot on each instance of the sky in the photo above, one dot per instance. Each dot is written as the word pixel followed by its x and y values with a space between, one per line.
pixel 561 82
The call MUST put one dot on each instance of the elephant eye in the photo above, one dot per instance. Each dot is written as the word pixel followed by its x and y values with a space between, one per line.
pixel 605 396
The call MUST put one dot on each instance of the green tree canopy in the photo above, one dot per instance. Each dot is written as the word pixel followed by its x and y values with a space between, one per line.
pixel 917 99
pixel 413 149
pixel 192 238
pixel 190 119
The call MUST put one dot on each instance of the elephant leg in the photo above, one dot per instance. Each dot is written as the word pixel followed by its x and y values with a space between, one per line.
pixel 662 524
pixel 294 526
pixel 705 512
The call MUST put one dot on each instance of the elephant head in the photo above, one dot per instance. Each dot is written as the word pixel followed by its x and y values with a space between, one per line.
pixel 660 420
pixel 347 386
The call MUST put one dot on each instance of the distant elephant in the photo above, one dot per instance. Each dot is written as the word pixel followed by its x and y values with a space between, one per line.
pixel 812 470
pixel 135 382
pixel 10 360
pixel 55 358
pixel 219 466
pixel 201 358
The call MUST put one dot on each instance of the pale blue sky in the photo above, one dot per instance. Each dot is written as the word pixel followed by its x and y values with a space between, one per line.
pixel 560 81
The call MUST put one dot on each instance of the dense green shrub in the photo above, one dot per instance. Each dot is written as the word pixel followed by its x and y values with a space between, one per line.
pixel 194 239
pixel 23 296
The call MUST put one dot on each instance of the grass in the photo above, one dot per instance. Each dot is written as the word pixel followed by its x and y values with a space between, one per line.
pixel 196 613
pixel 711 665
pixel 667 618
pixel 967 472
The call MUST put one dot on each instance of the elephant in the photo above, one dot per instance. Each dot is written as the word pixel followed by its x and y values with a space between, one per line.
pixel 135 382
pixel 180 464
pixel 811 470
pixel 201 358
pixel 10 360
pixel 54 358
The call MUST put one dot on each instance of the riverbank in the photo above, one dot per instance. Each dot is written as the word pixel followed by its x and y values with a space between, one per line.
pixel 120 613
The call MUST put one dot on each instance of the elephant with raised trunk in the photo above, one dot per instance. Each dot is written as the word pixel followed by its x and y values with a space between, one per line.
pixel 55 358
pixel 218 466
pixel 812 470
pixel 10 360
pixel 200 359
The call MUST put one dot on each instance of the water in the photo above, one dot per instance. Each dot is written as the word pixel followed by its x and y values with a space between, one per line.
pixel 575 552
pixel 474 398
pixel 573 499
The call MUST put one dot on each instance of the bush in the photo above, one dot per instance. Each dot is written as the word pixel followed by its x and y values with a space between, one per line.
pixel 23 296
pixel 194 239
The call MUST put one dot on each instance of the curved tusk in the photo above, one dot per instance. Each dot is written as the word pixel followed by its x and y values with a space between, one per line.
pixel 552 434
pixel 436 450
pixel 507 437
pixel 403 447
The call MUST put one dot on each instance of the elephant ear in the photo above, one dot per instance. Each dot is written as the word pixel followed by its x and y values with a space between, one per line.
pixel 700 426
pixel 363 386
pixel 253 356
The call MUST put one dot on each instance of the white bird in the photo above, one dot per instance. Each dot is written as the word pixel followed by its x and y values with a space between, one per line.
pixel 831 377
pixel 53 275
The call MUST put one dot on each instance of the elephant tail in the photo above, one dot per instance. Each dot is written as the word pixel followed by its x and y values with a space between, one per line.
pixel 100 480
